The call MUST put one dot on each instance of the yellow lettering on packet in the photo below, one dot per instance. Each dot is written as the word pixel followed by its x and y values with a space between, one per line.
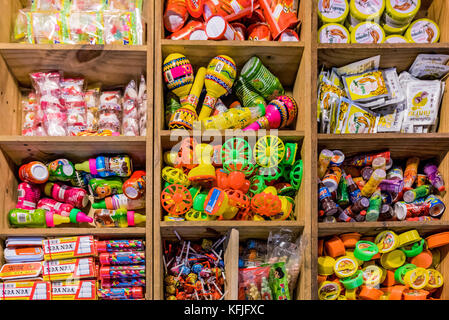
pixel 366 86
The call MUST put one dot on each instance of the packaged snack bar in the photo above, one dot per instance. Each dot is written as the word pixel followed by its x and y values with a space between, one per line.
pixel 130 122
pixel 390 118
pixel 360 120
pixel 91 97
pixel 175 15
pixel 279 281
pixel 423 102
pixel 69 269
pixel 230 10
pixel 110 111
pixel 142 106
pixel 333 33
pixel 122 27
pixel 81 27
pixel 74 290
pixel 366 86
pixel 29 106
pixel 46 27
pixel 359 66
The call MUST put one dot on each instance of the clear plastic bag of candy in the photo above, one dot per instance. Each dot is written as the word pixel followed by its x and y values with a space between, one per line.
pixel 110 112
pixel 122 27
pixel 253 253
pixel 81 27
pixel 91 97
pixel 49 5
pixel 254 284
pixel 29 108
pixel 142 106
pixel 126 5
pixel 47 86
pixel 22 21
pixel 130 116
pixel 73 98
pixel 88 5
pixel 46 27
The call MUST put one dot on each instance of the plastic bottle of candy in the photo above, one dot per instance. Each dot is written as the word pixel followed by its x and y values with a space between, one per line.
pixel 434 176
pixel 38 218
pixel 326 201
pixel 61 170
pixel 117 218
pixel 34 172
pixel 353 189
pixel 134 187
pixel 411 172
pixel 102 188
pixel 373 182
pixel 120 166
pixel 28 196
pixel 64 209
pixel 120 201
pixel 77 197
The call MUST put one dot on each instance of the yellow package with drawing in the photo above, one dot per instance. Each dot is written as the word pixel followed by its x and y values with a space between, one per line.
pixel 360 120
pixel 366 86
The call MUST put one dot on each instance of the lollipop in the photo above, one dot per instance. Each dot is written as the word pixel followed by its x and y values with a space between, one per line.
pixel 269 151
pixel 279 113
pixel 178 75
pixel 220 76
pixel 176 199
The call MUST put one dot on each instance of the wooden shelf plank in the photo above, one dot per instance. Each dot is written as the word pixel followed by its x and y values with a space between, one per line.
pixel 326 229
pixel 74 231
pixel 227 43
pixel 94 47
pixel 382 46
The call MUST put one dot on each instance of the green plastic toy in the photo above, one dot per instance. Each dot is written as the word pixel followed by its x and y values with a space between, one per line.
pixel 296 174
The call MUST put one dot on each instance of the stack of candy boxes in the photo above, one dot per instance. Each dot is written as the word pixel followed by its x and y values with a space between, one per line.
pixel 68 269
pixel 387 266
pixel 233 181
pixel 101 177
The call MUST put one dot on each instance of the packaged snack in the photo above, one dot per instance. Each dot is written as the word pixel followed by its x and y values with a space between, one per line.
pixel 185 32
pixel 390 118
pixel 88 5
pixel 142 106
pixel 20 271
pixel 231 12
pixel 333 11
pixel 423 31
pixel 91 97
pixel 74 290
pixel 49 5
pixel 69 269
pixel 280 15
pixel 250 284
pixel 110 111
pixel 69 247
pixel 175 15
pixel 360 120
pixel 253 253
pixel 82 27
pixel 29 106
pixel 122 27
pixel 126 5
pixel 430 66
pixel 23 290
pixel 423 102
pixel 366 86
pixel 397 94
pixel 359 66
pixel 21 25
pixel 367 32
pixel 279 282
pixel 333 33
pixel 46 27
pixel 73 98
pixel 130 120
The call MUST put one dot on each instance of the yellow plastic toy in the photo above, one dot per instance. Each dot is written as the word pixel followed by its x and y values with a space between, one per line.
pixel 286 209
pixel 217 202
pixel 205 171
pixel 195 215
pixel 170 158
pixel 175 176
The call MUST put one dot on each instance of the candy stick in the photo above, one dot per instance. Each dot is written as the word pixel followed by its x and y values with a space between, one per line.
pixel 217 288
pixel 177 235
pixel 187 253
pixel 219 242
pixel 165 264
pixel 224 294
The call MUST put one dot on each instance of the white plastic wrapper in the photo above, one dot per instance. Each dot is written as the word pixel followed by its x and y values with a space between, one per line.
pixel 110 112
pixel 73 98
pixel 91 98
pixel 130 122
pixel 142 106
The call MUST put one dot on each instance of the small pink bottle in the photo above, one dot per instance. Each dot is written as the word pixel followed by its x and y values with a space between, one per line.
pixel 64 209
pixel 28 196
pixel 77 197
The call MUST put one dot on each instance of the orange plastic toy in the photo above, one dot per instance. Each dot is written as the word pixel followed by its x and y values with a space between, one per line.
pixel 185 156
pixel 176 199
pixel 205 171
pixel 240 201
pixel 266 204
pixel 423 260
pixel 335 247
pixel 350 239
pixel 437 240
pixel 234 180
pixel 368 293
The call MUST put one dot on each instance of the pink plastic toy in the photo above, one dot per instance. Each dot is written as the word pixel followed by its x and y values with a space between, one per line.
pixel 28 196
pixel 77 197
pixel 280 113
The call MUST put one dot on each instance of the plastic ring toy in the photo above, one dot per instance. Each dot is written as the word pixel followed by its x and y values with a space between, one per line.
pixel 296 174
pixel 416 278
pixel 345 266
pixel 365 250
pixel 238 199
pixel 176 199
pixel 195 215
pixel 236 156
pixel 329 290
pixel 272 173
pixel 386 241
pixel 266 204
pixel 415 249
pixel 286 189
pixel 269 151
pixel 175 176
pixel 257 184
pixel 401 271
pixel 354 281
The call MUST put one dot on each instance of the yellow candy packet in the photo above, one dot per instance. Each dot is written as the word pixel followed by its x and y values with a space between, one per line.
pixel 359 120
pixel 366 86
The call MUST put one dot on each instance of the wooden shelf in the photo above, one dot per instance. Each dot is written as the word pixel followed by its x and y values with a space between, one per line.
pixel 383 46
pixel 327 229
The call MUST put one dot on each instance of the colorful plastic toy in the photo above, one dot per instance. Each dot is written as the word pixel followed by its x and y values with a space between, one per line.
pixel 266 203
pixel 217 202
pixel 257 184
pixel 269 151
pixel 178 74
pixel 296 174
pixel 175 176
pixel 205 171
pixel 176 199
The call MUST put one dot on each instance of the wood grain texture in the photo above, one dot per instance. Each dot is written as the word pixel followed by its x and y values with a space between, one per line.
pixel 231 259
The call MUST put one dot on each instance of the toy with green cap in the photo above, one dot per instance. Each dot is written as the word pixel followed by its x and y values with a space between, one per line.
pixel 104 187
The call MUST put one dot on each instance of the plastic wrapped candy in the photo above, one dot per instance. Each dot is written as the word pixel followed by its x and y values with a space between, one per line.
pixel 122 27
pixel 46 27
pixel 29 115
pixel 142 106
pixel 280 15
pixel 130 122
pixel 49 94
pixel 254 285
pixel 49 5
pixel 73 98
pixel 82 28
pixel 88 5
pixel 126 5
pixel 110 111
pixel 21 26
pixel 91 98
pixel 175 15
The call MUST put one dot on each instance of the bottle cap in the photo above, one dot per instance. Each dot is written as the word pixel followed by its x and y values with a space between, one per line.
pixel 345 266
pixel 77 216
pixel 39 172
pixel 416 278
pixel 130 216
pixel 326 265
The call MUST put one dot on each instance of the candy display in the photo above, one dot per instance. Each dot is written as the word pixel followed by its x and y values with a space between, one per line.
pixel 370 21
pixel 72 268
pixel 240 182
pixel 60 106
pixel 194 270
pixel 269 270
pixel 80 22
pixel 259 97
pixel 387 266
pixel 361 98
pixel 70 198
pixel 376 187
pixel 231 20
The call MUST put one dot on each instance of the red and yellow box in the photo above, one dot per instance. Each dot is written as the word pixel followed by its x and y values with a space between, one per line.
pixel 20 271
pixel 69 247
pixel 24 290
pixel 74 290
pixel 83 268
